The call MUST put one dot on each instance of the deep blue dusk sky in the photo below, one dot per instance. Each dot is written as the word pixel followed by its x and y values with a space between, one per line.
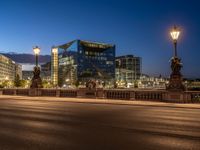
pixel 139 27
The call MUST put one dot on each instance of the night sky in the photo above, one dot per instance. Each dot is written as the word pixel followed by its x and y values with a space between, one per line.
pixel 138 27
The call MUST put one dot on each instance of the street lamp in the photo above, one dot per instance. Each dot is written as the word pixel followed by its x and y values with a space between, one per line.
pixel 36 80
pixel 36 51
pixel 175 32
pixel 175 82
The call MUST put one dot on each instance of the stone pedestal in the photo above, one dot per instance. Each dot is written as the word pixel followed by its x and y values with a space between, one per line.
pixel 176 82
pixel 174 96
pixel 177 97
pixel 100 93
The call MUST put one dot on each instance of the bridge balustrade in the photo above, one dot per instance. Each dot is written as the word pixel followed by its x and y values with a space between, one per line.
pixel 117 94
pixel 48 92
pixel 23 92
pixel 148 95
pixel 68 93
pixel 8 92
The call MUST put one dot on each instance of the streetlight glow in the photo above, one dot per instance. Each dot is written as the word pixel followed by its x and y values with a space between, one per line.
pixel 36 50
pixel 175 32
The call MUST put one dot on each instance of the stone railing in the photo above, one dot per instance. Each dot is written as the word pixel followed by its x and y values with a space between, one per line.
pixel 22 92
pixel 121 94
pixel 68 93
pixel 156 95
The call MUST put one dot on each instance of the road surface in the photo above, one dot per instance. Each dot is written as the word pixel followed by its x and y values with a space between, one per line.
pixel 55 124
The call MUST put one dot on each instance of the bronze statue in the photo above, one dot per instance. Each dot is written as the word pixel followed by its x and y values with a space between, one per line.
pixel 176 65
pixel 91 84
pixel 36 80
pixel 175 82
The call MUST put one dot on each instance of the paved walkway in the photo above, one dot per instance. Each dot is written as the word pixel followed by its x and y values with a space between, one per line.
pixel 104 101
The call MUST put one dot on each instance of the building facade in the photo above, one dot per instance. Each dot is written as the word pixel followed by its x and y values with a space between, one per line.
pixel 128 70
pixel 54 66
pixel 18 70
pixel 151 82
pixel 27 75
pixel 80 61
pixel 9 69
pixel 46 71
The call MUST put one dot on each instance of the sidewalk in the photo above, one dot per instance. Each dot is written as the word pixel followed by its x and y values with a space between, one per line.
pixel 102 101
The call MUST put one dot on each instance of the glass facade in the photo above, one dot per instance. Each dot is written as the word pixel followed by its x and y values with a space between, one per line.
pixel 82 60
pixel 128 69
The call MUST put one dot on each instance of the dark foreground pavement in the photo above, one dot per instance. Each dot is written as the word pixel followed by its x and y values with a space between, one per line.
pixel 30 124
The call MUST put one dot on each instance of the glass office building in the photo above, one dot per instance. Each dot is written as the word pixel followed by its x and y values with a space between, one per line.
pixel 128 69
pixel 80 61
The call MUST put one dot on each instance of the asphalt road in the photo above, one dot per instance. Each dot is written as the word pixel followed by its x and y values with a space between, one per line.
pixel 60 125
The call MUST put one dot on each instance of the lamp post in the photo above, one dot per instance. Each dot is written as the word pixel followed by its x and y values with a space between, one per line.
pixel 36 51
pixel 175 82
pixel 36 80
pixel 175 32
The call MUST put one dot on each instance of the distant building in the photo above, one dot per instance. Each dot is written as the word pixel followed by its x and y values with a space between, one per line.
pixel 27 75
pixel 54 66
pixel 80 61
pixel 128 69
pixel 146 81
pixel 18 70
pixel 46 67
pixel 46 71
pixel 192 84
pixel 9 69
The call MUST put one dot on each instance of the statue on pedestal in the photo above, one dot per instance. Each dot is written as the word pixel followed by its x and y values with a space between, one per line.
pixel 36 80
pixel 176 65
pixel 175 82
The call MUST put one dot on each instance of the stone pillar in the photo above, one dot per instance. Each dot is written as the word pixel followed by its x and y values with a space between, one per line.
pixel 100 93
pixel 14 92
pixel 132 95
pixel 173 96
pixel 57 93
pixel 81 92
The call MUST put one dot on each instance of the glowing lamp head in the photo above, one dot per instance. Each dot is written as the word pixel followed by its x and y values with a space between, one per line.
pixel 36 50
pixel 175 32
